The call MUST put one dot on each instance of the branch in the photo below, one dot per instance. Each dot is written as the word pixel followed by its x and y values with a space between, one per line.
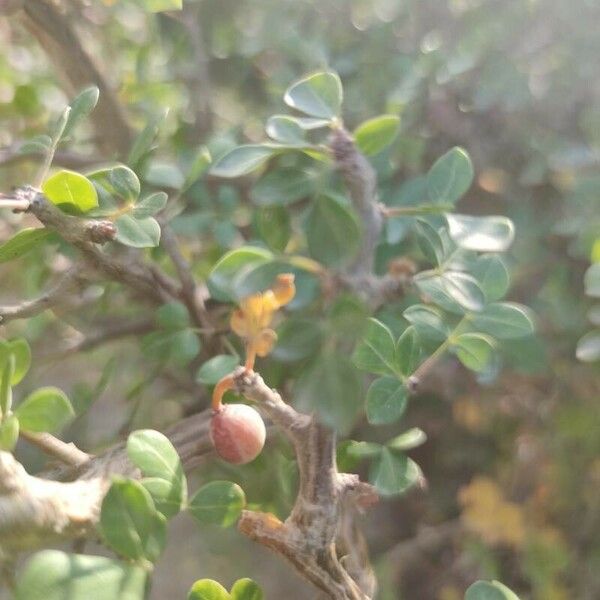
pixel 66 504
pixel 307 538
pixel 55 33
pixel 146 280
pixel 67 453
pixel 361 181
pixel 55 296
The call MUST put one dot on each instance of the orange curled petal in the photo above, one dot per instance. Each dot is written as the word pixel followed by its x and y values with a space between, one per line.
pixel 264 342
pixel 284 289
pixel 239 323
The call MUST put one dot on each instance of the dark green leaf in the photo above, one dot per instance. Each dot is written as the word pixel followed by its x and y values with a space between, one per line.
pixel 430 243
pixel 55 575
pixel 450 177
pixel 474 350
pixel 282 187
pixel 218 503
pixel 503 320
pixel 428 321
pixel 285 129
pixel 81 107
pixel 216 368
pixel 23 242
pixel 129 522
pixel 150 205
pixel 173 315
pixel 125 183
pixel 273 226
pixel 376 353
pixel 242 160
pixel 363 449
pixel 297 339
pixel 387 398
pixel 492 275
pixel 164 175
pixel 332 232
pixel 408 351
pixel 394 474
pixel 46 409
pixel 9 433
pixel 137 233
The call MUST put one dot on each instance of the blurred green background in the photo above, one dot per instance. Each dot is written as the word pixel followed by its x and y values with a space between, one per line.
pixel 513 464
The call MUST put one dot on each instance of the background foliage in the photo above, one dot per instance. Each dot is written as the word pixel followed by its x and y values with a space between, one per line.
pixel 512 455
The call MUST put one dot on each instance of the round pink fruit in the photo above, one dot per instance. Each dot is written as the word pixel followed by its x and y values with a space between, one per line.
pixel 238 433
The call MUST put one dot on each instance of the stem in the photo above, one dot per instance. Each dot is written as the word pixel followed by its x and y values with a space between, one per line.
pixel 66 453
pixel 62 123
pixel 224 385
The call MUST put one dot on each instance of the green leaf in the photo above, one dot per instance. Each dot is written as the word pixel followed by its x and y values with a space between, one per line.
pixel 81 106
pixel 58 128
pixel 588 347
pixel 9 433
pixel 408 351
pixel 494 590
pixel 503 320
pixel 218 503
pixel 138 233
pixel 591 280
pixel 481 234
pixel 157 6
pixel 394 474
pixel 198 167
pixel 374 135
pixel 492 275
pixel 21 351
pixel 71 189
pixel 297 339
pixel 143 143
pixel 207 589
pixel 386 401
pixel 164 175
pixel 150 205
pixel 246 589
pixel 46 409
pixel 55 575
pixel 451 289
pixel 129 522
pixel 231 268
pixel 173 316
pixel 332 232
pixel 39 144
pixel 376 352
pixel 242 160
pixel 430 242
pixel 273 225
pixel 178 347
pixel 362 450
pixel 23 242
pixel 125 183
pixel 213 370
pixel 282 187
pixel 450 176
pixel 318 95
pixel 159 462
pixel 285 129
pixel 428 322
pixel 408 440
pixel 331 387
pixel 474 350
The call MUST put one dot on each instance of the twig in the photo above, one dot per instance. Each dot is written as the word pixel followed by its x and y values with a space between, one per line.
pixel 53 297
pixel 67 453
pixel 188 285
pixel 55 33
pixel 114 331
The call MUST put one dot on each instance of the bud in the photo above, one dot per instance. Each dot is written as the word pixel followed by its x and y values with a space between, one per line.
pixel 238 433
